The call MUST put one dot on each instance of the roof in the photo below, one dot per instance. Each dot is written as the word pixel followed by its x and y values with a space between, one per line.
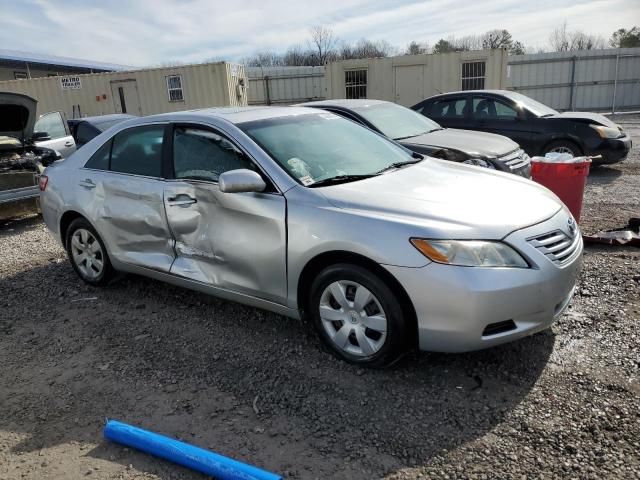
pixel 39 58
pixel 343 102
pixel 245 114
pixel 97 119
pixel 493 92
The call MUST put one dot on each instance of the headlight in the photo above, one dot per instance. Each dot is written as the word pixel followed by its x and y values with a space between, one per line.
pixel 470 253
pixel 479 163
pixel 607 132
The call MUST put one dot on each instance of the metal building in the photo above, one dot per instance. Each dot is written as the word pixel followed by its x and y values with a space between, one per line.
pixel 583 80
pixel 408 79
pixel 137 92
pixel 15 65
pixel 285 85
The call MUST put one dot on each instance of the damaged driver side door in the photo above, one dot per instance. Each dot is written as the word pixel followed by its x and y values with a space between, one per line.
pixel 232 241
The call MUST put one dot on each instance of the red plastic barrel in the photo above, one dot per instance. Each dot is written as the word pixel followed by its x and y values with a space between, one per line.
pixel 566 180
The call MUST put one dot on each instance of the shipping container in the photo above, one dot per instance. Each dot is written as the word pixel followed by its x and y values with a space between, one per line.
pixel 408 79
pixel 137 92
pixel 285 85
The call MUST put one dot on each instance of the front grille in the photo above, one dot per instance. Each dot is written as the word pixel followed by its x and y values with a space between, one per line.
pixel 557 246
pixel 516 160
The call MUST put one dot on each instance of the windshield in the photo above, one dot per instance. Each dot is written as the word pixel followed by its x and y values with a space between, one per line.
pixel 535 107
pixel 395 121
pixel 319 146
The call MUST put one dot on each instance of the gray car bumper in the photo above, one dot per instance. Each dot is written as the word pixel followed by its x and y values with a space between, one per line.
pixel 458 308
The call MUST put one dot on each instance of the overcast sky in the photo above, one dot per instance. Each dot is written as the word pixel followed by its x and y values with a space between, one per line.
pixel 152 32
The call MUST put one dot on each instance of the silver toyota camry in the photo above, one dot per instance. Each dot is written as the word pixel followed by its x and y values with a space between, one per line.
pixel 307 214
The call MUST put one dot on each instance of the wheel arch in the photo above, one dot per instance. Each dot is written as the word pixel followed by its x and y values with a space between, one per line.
pixel 325 259
pixel 564 138
pixel 65 220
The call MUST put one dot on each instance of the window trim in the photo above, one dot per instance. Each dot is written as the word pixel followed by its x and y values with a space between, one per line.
pixel 354 86
pixel 170 89
pixel 475 77
pixel 272 187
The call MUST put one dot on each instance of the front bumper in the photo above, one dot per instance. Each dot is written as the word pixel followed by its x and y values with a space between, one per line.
pixel 458 307
pixel 613 150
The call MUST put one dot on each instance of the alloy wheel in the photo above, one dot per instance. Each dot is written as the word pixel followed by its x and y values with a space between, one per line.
pixel 561 149
pixel 353 318
pixel 87 253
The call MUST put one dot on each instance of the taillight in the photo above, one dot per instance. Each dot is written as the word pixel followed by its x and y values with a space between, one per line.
pixel 42 184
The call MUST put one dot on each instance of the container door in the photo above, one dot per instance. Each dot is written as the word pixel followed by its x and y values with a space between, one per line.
pixel 125 97
pixel 409 84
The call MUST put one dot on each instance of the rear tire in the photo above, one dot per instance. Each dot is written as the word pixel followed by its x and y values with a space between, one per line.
pixel 563 146
pixel 357 316
pixel 87 253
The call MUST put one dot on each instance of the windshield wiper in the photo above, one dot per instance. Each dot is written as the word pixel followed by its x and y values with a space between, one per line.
pixel 340 179
pixel 397 165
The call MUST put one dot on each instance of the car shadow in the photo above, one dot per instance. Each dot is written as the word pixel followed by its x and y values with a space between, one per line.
pixel 241 381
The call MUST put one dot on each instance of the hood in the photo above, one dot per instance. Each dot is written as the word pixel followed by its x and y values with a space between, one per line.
pixel 586 117
pixel 17 115
pixel 478 144
pixel 449 200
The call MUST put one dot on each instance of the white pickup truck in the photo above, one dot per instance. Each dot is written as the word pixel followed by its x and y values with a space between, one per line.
pixel 27 146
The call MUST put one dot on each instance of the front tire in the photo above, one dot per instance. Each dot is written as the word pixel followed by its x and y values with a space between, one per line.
pixel 87 253
pixel 357 316
pixel 563 146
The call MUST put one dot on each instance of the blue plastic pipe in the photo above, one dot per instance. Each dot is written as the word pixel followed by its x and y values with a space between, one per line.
pixel 198 459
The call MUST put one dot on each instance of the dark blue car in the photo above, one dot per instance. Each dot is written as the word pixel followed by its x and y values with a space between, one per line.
pixel 85 129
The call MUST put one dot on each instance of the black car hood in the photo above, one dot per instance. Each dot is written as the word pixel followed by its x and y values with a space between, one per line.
pixel 17 115
pixel 585 117
pixel 480 144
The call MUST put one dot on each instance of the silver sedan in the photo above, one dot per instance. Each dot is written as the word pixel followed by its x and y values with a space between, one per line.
pixel 309 215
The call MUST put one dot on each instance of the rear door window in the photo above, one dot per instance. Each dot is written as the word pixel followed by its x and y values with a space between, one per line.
pixel 100 159
pixel 492 109
pixel 448 108
pixel 138 151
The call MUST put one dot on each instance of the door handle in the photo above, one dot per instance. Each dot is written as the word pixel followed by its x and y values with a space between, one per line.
pixel 181 201
pixel 87 183
pixel 68 144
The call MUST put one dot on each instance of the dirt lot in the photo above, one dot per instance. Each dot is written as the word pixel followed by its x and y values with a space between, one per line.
pixel 563 403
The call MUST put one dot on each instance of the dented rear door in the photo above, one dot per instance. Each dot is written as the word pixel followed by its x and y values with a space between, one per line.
pixel 126 199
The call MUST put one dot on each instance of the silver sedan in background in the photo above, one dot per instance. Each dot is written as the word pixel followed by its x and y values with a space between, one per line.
pixel 307 214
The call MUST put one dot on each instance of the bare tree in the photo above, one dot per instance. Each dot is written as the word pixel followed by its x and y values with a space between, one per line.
pixel 296 55
pixel 563 40
pixel 264 58
pixel 323 42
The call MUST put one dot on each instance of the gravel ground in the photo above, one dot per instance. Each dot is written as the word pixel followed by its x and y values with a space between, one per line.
pixel 257 387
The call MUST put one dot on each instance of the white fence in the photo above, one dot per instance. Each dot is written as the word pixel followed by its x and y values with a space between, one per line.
pixel 285 85
pixel 605 80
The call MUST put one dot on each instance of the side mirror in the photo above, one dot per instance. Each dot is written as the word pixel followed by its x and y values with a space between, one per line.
pixel 239 181
pixel 40 136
